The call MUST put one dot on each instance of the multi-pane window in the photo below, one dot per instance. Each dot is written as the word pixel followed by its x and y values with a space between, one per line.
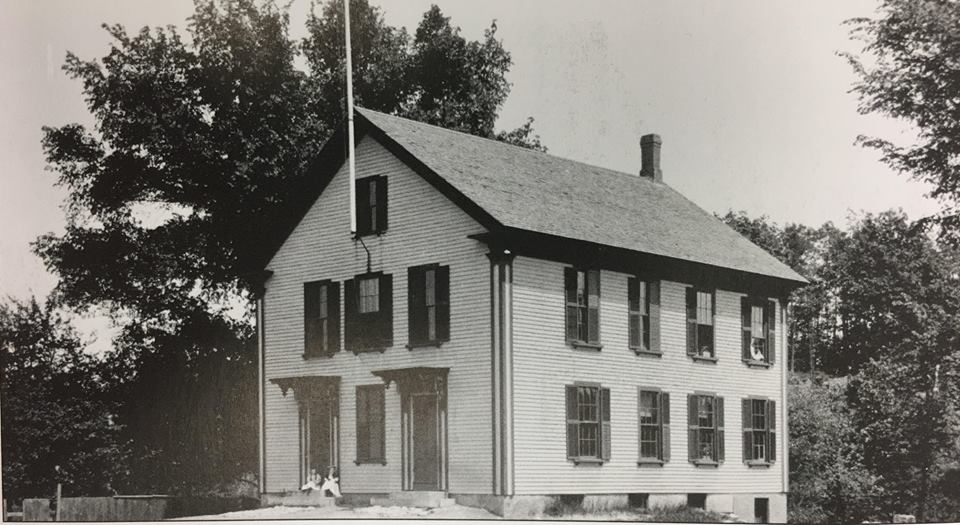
pixel 700 319
pixel 369 295
pixel 428 302
pixel 370 424
pixel 371 202
pixel 588 422
pixel 638 302
pixel 705 434
pixel 758 324
pixel 582 290
pixel 368 304
pixel 759 430
pixel 321 318
pixel 654 421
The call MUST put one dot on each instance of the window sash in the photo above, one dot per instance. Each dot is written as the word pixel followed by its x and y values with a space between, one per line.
pixel 650 425
pixel 638 301
pixel 588 412
pixel 369 290
pixel 706 428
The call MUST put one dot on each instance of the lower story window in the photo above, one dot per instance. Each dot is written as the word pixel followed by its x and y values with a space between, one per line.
pixel 759 430
pixel 588 422
pixel 705 436
pixel 654 417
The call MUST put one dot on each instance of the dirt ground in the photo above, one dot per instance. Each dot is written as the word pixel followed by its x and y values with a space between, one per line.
pixel 280 512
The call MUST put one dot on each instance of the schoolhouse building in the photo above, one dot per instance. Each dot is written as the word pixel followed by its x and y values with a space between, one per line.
pixel 507 327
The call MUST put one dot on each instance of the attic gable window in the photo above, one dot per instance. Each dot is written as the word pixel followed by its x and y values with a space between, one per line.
pixel 582 292
pixel 371 200
pixel 701 311
pixel 758 324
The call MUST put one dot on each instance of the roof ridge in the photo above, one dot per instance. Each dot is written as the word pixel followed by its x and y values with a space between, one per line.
pixel 502 143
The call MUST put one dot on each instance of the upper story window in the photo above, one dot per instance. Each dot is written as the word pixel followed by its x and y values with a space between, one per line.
pixel 759 430
pixel 758 320
pixel 582 291
pixel 705 437
pixel 428 302
pixel 368 312
pixel 700 320
pixel 321 318
pixel 654 416
pixel 588 423
pixel 371 205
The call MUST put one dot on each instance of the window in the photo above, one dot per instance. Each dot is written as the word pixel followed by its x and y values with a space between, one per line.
pixel 321 318
pixel 428 304
pixel 654 421
pixel 700 314
pixel 368 312
pixel 369 295
pixel 582 289
pixel 705 434
pixel 758 320
pixel 588 423
pixel 371 205
pixel 370 424
pixel 759 430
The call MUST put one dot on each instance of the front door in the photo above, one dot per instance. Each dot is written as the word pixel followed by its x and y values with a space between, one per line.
pixel 319 438
pixel 424 416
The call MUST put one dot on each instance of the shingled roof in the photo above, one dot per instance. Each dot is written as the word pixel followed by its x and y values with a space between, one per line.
pixel 533 191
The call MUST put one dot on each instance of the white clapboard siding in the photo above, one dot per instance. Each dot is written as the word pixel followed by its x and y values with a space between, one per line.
pixel 424 227
pixel 544 363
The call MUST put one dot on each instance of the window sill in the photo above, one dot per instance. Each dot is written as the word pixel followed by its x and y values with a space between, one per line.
pixel 758 464
pixel 703 359
pixel 369 234
pixel 425 344
pixel 705 463
pixel 583 345
pixel 651 462
pixel 640 351
pixel 370 350
pixel 375 462
pixel 318 356
pixel 587 461
pixel 753 363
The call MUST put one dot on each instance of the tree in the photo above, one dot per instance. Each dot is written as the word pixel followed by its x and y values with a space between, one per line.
pixel 58 425
pixel 908 70
pixel 828 481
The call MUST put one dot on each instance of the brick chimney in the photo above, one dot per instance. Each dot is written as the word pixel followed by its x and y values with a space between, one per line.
pixel 650 157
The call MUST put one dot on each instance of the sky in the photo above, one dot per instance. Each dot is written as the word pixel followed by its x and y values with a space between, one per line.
pixel 750 98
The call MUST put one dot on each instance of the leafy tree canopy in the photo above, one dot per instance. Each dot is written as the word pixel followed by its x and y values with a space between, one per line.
pixel 908 70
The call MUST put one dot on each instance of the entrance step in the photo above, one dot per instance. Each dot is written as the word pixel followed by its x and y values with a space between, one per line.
pixel 415 498
pixel 313 498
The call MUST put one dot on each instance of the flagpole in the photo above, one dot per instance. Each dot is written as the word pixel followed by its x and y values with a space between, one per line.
pixel 350 147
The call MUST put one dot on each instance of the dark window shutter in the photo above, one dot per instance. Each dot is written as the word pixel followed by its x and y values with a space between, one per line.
pixel 385 315
pixel 570 298
pixel 311 309
pixel 634 326
pixel 363 426
pixel 572 423
pixel 692 454
pixel 654 291
pixel 747 426
pixel 745 316
pixel 691 321
pixel 376 422
pixel 363 206
pixel 382 205
pixel 352 332
pixel 416 305
pixel 770 316
pixel 665 426
pixel 593 306
pixel 721 442
pixel 443 303
pixel 333 315
pixel 772 430
pixel 605 433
